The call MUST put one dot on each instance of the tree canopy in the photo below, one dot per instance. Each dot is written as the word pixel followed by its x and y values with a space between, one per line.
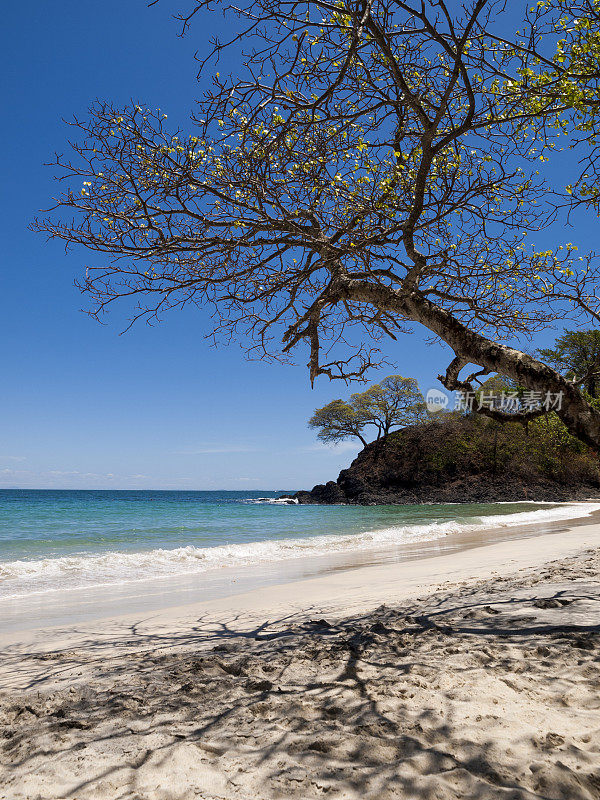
pixel 338 420
pixel 374 165
pixel 577 355
pixel 394 402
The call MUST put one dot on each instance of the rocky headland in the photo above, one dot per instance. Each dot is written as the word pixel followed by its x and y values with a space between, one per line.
pixel 465 459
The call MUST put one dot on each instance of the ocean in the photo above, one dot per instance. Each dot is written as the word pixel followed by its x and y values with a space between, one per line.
pixel 67 541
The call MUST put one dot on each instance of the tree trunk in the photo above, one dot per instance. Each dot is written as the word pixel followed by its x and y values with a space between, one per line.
pixel 591 387
pixel 578 415
pixel 581 419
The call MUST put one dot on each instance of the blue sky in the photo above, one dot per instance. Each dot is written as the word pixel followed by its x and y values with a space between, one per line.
pixel 158 407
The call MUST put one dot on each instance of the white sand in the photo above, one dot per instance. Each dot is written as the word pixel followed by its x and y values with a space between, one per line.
pixel 469 684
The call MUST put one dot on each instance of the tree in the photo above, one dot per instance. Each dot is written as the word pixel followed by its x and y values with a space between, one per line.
pixel 395 402
pixel 576 354
pixel 558 57
pixel 373 167
pixel 337 421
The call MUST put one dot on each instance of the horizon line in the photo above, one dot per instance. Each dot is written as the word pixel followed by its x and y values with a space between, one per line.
pixel 127 489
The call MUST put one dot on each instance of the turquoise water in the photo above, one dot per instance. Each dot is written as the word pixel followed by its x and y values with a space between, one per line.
pixel 57 540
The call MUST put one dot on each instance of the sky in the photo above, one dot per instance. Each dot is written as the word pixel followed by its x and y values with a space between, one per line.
pixel 81 405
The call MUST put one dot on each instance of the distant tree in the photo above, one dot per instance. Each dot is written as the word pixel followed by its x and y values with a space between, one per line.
pixel 576 354
pixel 336 421
pixel 395 402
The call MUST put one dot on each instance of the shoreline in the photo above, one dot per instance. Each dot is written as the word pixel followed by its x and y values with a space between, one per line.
pixel 470 673
pixel 338 591
pixel 158 594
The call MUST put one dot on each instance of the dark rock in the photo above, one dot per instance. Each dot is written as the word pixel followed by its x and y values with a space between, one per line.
pixel 451 461
pixel 329 493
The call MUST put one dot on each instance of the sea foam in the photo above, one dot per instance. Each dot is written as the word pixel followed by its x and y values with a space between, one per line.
pixel 26 577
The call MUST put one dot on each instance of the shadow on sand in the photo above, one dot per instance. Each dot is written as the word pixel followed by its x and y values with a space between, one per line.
pixel 488 692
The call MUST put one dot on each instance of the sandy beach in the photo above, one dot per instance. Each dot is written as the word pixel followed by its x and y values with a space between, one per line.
pixel 300 453
pixel 472 673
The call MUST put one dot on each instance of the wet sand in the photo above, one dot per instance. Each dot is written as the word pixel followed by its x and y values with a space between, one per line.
pixel 472 672
pixel 79 606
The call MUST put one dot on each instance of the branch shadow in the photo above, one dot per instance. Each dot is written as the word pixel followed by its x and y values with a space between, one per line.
pixel 456 697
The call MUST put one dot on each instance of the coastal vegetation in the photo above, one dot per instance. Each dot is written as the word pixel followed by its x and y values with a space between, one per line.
pixel 466 457
pixel 394 402
pixel 374 167
pixel 463 455
pixel 576 354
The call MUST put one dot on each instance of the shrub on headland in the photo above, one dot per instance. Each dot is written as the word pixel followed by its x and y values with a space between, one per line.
pixel 467 458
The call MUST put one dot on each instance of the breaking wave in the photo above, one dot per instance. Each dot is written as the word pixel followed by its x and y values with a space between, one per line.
pixel 79 571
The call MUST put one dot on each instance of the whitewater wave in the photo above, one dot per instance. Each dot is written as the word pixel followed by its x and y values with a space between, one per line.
pixel 23 578
pixel 276 501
